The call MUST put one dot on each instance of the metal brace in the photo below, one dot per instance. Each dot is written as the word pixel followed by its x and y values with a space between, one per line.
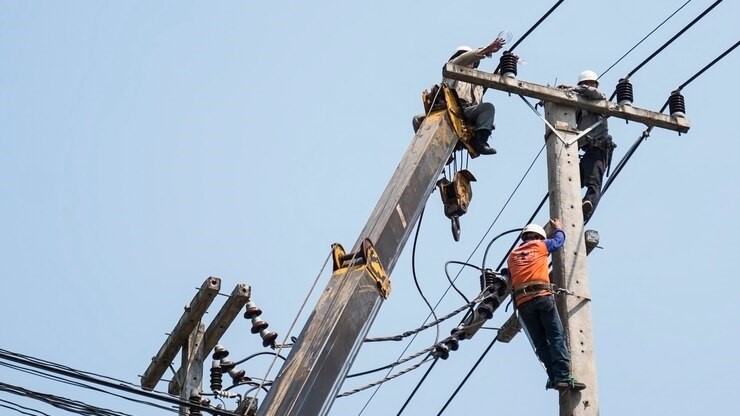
pixel 366 258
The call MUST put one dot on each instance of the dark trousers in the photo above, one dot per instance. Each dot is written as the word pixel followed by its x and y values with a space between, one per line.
pixel 593 166
pixel 540 319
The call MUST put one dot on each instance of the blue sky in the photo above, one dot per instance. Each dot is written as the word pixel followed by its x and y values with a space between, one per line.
pixel 145 146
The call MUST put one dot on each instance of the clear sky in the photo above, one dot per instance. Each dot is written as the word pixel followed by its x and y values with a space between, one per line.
pixel 145 146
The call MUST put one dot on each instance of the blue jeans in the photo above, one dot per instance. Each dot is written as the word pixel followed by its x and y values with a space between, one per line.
pixel 540 318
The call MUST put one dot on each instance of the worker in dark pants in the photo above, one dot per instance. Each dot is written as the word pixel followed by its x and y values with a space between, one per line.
pixel 597 144
pixel 477 112
pixel 535 303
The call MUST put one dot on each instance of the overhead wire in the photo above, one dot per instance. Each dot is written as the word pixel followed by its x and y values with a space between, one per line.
pixel 645 134
pixel 77 374
pixel 644 38
pixel 671 40
pixel 413 272
pixel 541 19
pixel 38 412
pixel 295 320
pixel 63 403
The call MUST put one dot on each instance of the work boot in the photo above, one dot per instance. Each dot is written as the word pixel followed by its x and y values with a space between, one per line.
pixel 588 209
pixel 568 384
pixel 480 143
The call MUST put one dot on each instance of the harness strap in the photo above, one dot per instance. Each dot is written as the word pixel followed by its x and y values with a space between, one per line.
pixel 531 288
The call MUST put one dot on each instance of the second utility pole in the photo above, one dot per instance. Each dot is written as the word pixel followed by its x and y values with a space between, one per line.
pixel 569 269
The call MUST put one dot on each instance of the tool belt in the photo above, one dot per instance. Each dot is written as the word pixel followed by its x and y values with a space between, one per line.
pixel 531 289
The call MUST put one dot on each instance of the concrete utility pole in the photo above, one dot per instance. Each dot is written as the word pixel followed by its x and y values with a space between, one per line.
pixel 569 263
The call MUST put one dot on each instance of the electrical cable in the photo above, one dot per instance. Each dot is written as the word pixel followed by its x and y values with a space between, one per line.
pixel 645 134
pixel 22 407
pixel 467 376
pixel 388 378
pixel 63 403
pixel 665 45
pixel 413 272
pixel 72 373
pixel 643 39
pixel 249 357
pixel 406 334
pixel 709 65
pixel 300 310
pixel 411 396
pixel 452 283
pixel 59 379
pixel 488 247
pixel 531 29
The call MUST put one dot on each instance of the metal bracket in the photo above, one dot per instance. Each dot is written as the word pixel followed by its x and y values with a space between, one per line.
pixel 366 258
pixel 451 103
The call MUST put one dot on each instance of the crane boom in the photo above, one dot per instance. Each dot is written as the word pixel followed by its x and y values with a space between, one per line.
pixel 330 340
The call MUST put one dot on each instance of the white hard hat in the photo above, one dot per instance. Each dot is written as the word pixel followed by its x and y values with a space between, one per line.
pixel 534 228
pixel 463 48
pixel 588 75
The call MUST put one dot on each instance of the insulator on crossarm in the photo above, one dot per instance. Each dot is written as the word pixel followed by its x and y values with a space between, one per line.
pixel 220 352
pixel 194 411
pixel 507 64
pixel 258 324
pixel 238 376
pixel 676 104
pixel 453 344
pixel 624 92
pixel 226 365
pixel 216 376
pixel 252 310
pixel 268 338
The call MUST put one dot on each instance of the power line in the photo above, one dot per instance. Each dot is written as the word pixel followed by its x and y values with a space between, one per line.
pixel 665 45
pixel 646 36
pixel 76 374
pixel 63 403
pixel 645 134
pixel 38 412
pixel 531 29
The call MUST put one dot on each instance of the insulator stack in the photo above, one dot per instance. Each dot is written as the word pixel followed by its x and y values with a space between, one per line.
pixel 441 351
pixel 252 310
pixel 486 308
pixel 507 64
pixel 624 92
pixel 238 376
pixel 259 325
pixel 219 352
pixel 453 344
pixel 194 411
pixel 226 365
pixel 676 104
pixel 486 279
pixel 216 377
pixel 268 338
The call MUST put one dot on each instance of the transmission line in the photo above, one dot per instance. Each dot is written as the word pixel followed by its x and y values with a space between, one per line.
pixel 665 45
pixel 646 36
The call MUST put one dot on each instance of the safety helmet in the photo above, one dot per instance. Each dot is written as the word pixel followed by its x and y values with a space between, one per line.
pixel 588 75
pixel 459 51
pixel 534 228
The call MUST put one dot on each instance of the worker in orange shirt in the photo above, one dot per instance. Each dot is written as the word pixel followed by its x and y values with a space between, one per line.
pixel 535 302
